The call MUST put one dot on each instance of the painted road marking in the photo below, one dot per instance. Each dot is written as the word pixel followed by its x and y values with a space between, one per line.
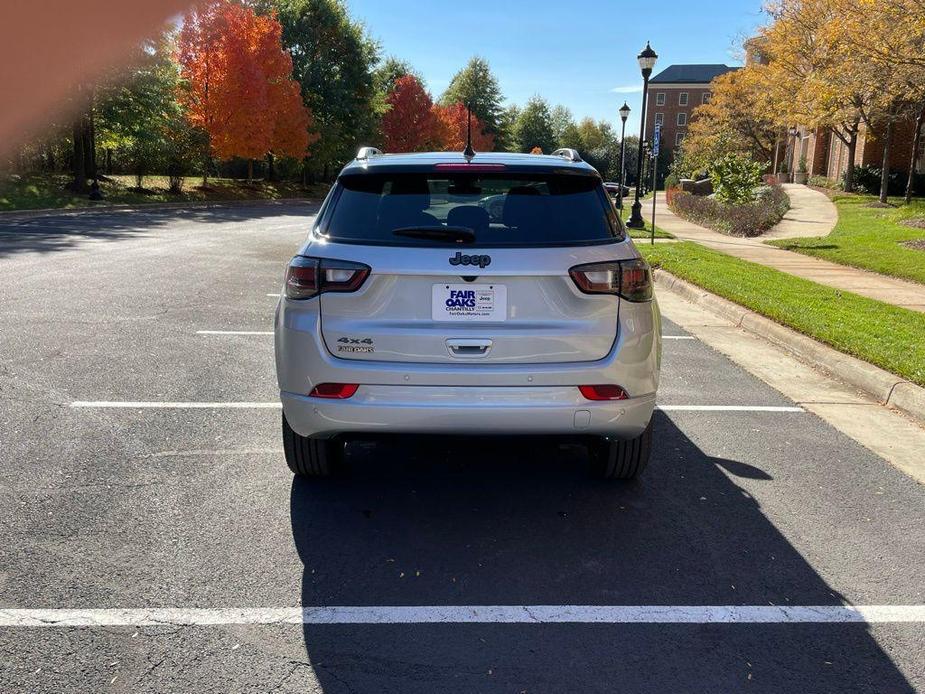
pixel 273 295
pixel 455 614
pixel 271 405
pixel 728 408
pixel 177 405
pixel 234 332
pixel 678 337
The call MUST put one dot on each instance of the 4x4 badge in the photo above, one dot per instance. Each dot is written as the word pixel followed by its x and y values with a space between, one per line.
pixel 480 260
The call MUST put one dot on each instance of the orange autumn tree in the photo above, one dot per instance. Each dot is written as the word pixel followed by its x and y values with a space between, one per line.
pixel 410 124
pixel 238 84
pixel 452 131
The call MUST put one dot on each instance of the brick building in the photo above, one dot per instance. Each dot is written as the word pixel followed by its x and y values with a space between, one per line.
pixel 826 155
pixel 674 93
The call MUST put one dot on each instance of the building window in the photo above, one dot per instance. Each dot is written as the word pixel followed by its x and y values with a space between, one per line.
pixel 682 99
pixel 677 138
pixel 682 118
pixel 706 98
pixel 659 118
pixel 660 98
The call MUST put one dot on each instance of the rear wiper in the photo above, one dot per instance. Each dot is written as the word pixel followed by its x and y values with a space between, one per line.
pixel 438 233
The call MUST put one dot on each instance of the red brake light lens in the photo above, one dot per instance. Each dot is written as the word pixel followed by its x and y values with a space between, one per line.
pixel 334 391
pixel 630 279
pixel 471 168
pixel 603 392
pixel 307 277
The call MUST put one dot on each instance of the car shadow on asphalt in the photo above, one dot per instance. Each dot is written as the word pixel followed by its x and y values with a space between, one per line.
pixel 64 231
pixel 516 522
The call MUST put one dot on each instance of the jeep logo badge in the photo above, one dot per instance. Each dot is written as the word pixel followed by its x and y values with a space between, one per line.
pixel 482 261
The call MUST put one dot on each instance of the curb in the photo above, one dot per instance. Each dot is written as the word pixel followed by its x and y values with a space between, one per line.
pixel 887 388
pixel 153 207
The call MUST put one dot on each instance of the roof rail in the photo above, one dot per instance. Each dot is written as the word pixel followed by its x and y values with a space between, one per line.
pixel 567 153
pixel 367 152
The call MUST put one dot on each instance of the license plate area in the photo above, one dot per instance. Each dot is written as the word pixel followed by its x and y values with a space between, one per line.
pixel 461 303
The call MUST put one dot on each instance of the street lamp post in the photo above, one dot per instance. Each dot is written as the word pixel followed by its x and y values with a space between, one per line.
pixel 624 114
pixel 646 60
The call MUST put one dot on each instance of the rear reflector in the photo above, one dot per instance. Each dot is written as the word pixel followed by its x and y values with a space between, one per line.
pixel 334 391
pixel 603 392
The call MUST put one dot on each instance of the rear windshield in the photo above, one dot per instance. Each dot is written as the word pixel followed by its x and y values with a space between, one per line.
pixel 499 209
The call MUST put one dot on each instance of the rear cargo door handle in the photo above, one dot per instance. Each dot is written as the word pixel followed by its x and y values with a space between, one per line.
pixel 468 348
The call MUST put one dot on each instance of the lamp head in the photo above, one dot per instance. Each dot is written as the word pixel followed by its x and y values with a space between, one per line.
pixel 647 59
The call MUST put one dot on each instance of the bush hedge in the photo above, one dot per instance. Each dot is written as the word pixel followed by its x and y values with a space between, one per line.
pixel 747 219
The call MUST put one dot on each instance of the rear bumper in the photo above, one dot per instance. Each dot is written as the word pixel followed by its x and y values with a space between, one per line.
pixel 467 410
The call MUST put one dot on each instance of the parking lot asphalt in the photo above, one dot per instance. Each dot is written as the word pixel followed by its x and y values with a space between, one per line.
pixel 138 508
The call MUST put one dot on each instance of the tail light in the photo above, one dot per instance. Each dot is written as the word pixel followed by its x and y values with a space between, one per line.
pixel 603 392
pixel 334 391
pixel 307 277
pixel 630 279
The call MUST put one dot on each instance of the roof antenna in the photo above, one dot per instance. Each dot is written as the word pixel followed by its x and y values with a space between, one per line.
pixel 468 152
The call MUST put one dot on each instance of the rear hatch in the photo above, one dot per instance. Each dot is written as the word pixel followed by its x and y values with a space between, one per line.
pixel 469 266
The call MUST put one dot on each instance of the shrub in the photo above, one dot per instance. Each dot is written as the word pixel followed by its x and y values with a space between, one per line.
pixel 823 182
pixel 751 218
pixel 867 180
pixel 735 178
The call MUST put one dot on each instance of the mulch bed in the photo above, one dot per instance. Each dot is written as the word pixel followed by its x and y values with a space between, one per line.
pixel 917 244
pixel 915 222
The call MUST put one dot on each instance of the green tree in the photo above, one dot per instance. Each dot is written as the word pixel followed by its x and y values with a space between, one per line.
pixel 506 140
pixel 534 127
pixel 138 117
pixel 563 126
pixel 477 87
pixel 333 60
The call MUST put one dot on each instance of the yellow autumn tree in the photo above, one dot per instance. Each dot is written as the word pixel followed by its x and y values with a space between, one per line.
pixel 738 118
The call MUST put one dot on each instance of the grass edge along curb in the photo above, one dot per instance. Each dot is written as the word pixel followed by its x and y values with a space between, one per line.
pixel 885 387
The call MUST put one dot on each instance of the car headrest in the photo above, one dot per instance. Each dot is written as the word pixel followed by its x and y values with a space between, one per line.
pixel 471 216
pixel 521 208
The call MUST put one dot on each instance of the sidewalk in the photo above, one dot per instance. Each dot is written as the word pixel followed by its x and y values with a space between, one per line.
pixel 811 214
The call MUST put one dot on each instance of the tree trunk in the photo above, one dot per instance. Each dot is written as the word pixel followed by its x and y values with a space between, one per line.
pixel 49 157
pixel 916 140
pixel 885 169
pixel 270 172
pixel 250 171
pixel 849 169
pixel 79 159
pixel 90 141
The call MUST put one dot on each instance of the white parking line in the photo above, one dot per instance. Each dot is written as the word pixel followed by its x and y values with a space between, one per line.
pixel 469 614
pixel 728 408
pixel 273 295
pixel 234 332
pixel 134 404
pixel 678 337
pixel 176 405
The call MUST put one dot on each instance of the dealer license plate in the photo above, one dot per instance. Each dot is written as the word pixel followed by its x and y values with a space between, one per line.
pixel 469 302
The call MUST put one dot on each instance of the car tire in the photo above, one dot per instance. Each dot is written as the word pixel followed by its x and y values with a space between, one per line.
pixel 616 459
pixel 310 457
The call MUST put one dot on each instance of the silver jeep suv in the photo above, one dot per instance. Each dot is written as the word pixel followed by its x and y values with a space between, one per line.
pixel 487 294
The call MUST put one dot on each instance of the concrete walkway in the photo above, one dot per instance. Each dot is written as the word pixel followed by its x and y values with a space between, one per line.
pixel 811 214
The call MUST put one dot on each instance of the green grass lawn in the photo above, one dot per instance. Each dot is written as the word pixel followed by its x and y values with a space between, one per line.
pixel 647 232
pixel 50 191
pixel 869 238
pixel 893 338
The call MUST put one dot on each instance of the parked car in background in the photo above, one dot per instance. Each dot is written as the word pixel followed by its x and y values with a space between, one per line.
pixel 613 190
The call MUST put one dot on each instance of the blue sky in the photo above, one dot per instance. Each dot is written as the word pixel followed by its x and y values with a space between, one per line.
pixel 574 54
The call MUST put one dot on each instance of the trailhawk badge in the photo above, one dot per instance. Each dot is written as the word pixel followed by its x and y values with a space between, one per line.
pixel 482 261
